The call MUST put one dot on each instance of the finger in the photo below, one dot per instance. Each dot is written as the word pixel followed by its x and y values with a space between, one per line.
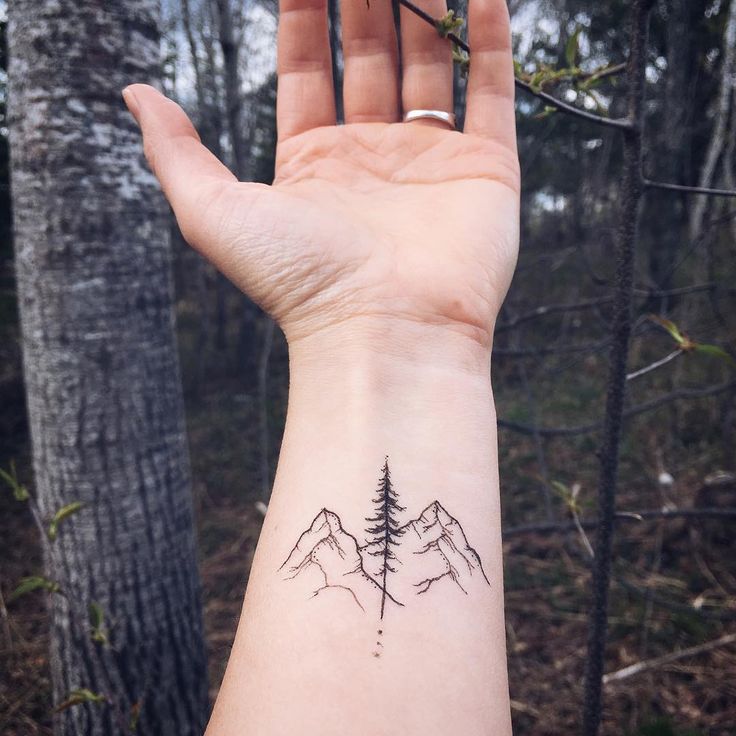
pixel 489 108
pixel 371 53
pixel 427 62
pixel 306 97
pixel 192 178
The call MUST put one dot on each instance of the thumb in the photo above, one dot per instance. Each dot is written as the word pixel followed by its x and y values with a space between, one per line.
pixel 192 178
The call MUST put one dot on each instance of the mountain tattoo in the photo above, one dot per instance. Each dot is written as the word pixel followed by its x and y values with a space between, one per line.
pixel 397 562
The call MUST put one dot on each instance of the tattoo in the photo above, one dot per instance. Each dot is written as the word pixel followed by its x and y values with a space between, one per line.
pixel 396 563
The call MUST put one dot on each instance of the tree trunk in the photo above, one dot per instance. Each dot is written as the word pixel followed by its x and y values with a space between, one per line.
pixel 101 370
pixel 718 139
pixel 667 220
pixel 233 93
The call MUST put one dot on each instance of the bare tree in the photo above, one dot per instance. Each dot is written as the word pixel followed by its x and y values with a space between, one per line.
pixel 725 105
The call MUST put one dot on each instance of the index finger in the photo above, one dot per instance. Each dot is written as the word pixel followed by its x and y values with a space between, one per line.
pixel 306 97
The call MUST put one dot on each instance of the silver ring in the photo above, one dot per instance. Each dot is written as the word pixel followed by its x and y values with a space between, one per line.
pixel 444 117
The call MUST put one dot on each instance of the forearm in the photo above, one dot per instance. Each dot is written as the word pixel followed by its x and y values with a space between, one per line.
pixel 312 654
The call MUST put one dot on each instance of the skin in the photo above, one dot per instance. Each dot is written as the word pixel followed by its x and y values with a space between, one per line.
pixel 370 219
pixel 384 251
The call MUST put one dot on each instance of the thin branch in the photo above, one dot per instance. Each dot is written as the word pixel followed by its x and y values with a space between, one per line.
pixel 5 621
pixel 649 594
pixel 545 310
pixel 551 309
pixel 578 522
pixel 653 366
pixel 682 290
pixel 617 123
pixel 563 527
pixel 588 347
pixel 681 393
pixel 538 443
pixel 560 105
pixel 649 184
pixel 652 664
pixel 609 71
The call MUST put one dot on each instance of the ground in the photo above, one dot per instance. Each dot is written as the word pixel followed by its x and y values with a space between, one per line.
pixel 674 582
pixel 546 599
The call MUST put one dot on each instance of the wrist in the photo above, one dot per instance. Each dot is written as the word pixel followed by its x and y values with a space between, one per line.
pixel 415 392
pixel 391 348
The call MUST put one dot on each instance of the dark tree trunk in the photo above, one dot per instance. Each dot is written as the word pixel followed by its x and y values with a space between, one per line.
pixel 626 244
pixel 101 371
pixel 668 218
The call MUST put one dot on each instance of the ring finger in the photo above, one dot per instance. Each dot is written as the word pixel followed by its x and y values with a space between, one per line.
pixel 427 62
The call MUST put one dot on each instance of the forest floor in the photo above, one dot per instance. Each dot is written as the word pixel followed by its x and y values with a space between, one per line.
pixel 674 587
pixel 546 599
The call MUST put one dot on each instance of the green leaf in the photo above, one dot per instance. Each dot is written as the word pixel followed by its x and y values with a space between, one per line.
pixel 715 351
pixel 538 78
pixel 63 513
pixel 20 492
pixel 135 714
pixel 672 329
pixel 562 489
pixel 34 582
pixel 449 23
pixel 462 59
pixel 96 614
pixel 546 112
pixel 79 696
pixel 573 47
pixel 97 621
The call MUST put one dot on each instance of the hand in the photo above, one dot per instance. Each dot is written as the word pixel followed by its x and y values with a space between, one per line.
pixel 375 219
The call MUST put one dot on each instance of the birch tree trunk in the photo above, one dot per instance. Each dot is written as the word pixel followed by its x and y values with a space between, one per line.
pixel 726 91
pixel 101 370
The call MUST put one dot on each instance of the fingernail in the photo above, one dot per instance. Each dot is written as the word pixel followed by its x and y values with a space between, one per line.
pixel 132 102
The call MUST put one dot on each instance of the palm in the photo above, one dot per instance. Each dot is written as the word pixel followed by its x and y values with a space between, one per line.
pixel 413 222
pixel 375 217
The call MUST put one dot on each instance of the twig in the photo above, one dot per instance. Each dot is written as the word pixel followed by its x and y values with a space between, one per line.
pixel 649 594
pixel 579 527
pixel 632 411
pixel 6 622
pixel 652 664
pixel 545 310
pixel 538 444
pixel 653 366
pixel 551 309
pixel 555 527
pixel 649 184
pixel 588 347
pixel 568 75
pixel 682 290
pixel 618 123
pixel 609 71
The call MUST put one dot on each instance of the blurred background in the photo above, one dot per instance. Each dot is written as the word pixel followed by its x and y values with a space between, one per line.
pixel 674 579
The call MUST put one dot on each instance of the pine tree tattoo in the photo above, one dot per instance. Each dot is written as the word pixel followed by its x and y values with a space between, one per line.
pixel 385 530
pixel 396 565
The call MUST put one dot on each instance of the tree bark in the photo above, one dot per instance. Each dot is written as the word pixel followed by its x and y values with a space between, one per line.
pixel 233 93
pixel 718 140
pixel 101 370
pixel 667 220
pixel 626 243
